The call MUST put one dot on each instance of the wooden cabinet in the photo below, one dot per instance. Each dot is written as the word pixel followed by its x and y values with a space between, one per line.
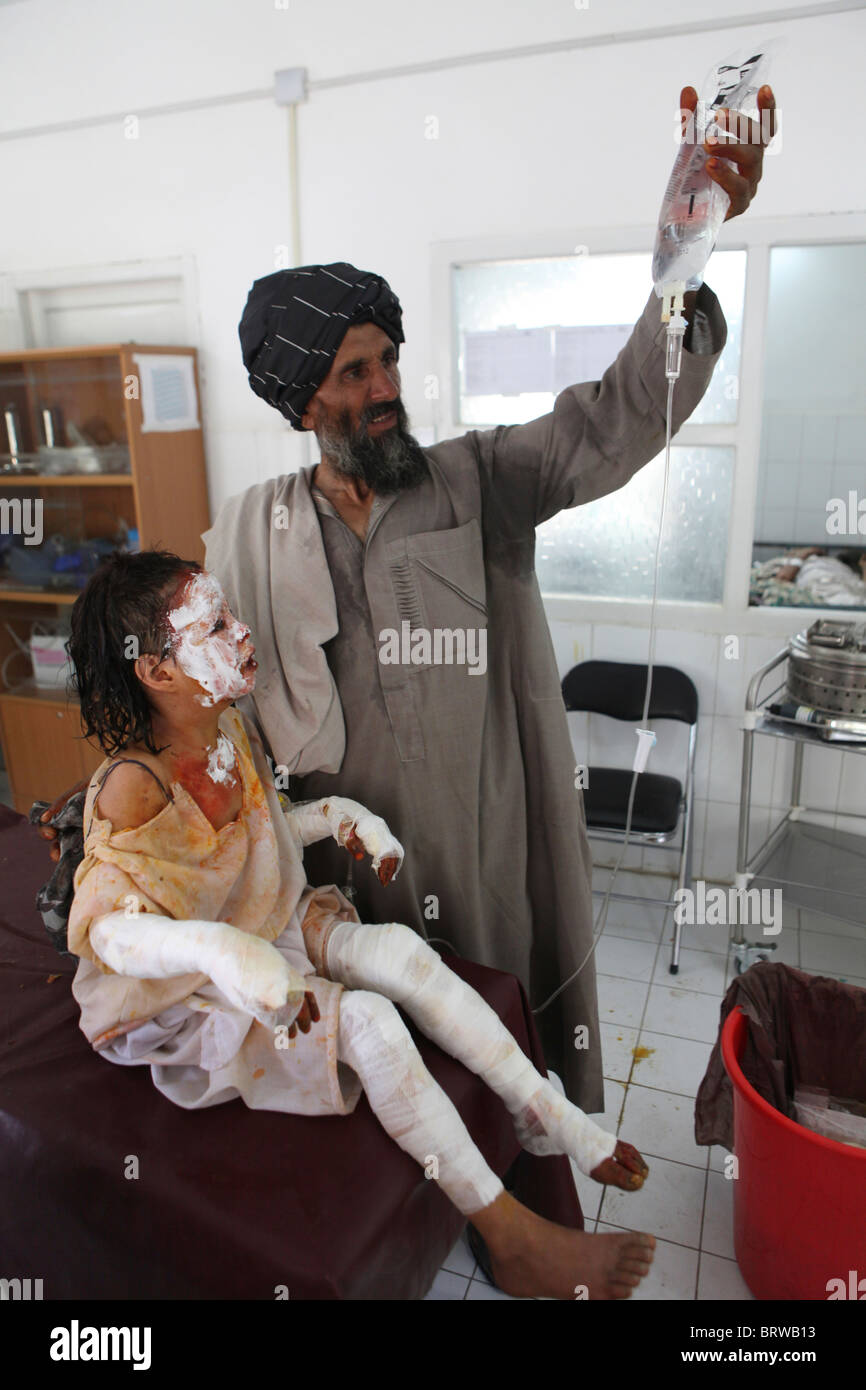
pixel 40 733
pixel 83 407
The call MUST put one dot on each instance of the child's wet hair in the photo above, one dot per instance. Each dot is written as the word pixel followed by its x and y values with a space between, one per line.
pixel 127 598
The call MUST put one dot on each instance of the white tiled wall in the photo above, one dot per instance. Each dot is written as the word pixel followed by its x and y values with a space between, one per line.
pixel 807 459
pixel 832 779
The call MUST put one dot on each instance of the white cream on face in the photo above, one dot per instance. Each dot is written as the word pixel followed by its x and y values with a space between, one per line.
pixel 212 658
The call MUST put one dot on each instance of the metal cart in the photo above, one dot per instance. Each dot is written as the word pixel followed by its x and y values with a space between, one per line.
pixel 818 868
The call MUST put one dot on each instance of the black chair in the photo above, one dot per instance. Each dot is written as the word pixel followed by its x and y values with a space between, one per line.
pixel 662 808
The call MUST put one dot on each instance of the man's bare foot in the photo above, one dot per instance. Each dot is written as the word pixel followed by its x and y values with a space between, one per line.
pixel 625 1168
pixel 534 1258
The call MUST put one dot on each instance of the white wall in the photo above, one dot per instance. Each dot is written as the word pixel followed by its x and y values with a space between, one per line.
pixel 571 139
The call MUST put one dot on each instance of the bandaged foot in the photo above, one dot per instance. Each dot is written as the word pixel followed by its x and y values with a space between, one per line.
pixel 394 961
pixel 550 1124
pixel 625 1168
pixel 250 971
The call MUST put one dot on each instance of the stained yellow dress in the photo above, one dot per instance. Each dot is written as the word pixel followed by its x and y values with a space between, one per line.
pixel 201 1048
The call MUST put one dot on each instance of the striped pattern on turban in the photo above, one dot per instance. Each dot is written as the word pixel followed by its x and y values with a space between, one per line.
pixel 294 322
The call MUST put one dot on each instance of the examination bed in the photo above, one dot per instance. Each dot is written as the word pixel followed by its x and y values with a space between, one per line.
pixel 111 1191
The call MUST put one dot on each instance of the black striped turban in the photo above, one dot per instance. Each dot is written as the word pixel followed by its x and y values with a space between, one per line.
pixel 294 322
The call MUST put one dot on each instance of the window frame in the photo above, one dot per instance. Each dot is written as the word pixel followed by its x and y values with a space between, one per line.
pixel 756 237
pixel 32 291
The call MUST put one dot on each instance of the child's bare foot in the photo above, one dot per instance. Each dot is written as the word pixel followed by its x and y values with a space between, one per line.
pixel 625 1168
pixel 534 1258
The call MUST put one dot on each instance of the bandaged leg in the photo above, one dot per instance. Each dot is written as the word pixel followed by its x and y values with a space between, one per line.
pixel 409 1104
pixel 394 961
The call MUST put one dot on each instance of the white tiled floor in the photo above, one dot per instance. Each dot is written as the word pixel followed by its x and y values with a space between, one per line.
pixel 649 1099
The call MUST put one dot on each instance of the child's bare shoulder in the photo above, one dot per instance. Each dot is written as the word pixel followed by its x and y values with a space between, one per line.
pixel 131 796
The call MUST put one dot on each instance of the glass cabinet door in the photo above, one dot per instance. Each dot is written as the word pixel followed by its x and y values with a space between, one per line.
pixel 63 417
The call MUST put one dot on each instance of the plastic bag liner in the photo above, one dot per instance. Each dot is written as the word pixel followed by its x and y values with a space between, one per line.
pixel 803 1031
pixel 836 1117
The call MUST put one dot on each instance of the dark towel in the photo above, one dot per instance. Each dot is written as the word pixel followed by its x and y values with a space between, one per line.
pixel 803 1030
pixel 54 898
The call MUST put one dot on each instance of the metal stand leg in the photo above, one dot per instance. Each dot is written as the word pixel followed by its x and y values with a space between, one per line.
pixel 796 780
pixel 684 878
pixel 745 815
pixel 745 953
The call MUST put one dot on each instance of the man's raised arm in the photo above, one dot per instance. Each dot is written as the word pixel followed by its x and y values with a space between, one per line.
pixel 600 433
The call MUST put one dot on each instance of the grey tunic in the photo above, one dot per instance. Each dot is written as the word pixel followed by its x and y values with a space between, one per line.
pixel 475 773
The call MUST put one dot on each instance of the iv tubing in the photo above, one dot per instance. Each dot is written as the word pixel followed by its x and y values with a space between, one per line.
pixel 673 348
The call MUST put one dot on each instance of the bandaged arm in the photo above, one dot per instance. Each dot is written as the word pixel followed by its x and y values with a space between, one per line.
pixel 250 971
pixel 339 816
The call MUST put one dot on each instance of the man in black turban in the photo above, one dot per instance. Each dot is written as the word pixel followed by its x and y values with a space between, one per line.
pixel 295 324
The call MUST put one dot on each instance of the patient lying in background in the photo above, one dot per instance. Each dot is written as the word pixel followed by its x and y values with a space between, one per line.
pixel 205 955
pixel 819 579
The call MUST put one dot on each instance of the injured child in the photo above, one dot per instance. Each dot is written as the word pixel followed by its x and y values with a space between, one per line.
pixel 205 954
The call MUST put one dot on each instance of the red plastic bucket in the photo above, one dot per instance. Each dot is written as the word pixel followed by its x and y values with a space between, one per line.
pixel 799 1199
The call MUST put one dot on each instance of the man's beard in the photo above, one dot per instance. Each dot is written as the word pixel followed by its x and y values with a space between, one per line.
pixel 389 461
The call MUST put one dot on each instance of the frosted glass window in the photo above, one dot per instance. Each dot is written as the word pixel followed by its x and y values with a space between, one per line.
pixel 607 547
pixel 510 357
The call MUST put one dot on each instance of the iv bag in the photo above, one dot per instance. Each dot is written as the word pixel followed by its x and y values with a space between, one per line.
pixel 694 205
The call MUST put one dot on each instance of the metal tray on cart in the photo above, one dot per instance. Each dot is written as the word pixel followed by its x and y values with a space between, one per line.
pixel 818 868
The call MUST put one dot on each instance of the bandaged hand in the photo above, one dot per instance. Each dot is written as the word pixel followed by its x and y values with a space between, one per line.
pixel 256 978
pixel 353 827
pixel 250 971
